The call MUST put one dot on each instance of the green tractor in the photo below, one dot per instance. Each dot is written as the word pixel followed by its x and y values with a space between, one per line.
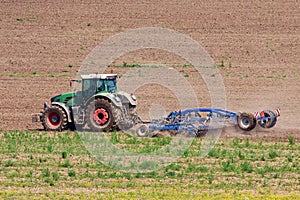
pixel 98 105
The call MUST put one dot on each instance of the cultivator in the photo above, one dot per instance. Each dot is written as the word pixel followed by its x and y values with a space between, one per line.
pixel 199 120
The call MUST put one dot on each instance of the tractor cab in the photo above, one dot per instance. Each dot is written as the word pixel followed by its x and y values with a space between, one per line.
pixel 93 84
pixel 98 83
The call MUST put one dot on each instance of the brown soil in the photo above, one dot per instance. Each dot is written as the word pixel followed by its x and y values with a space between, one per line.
pixel 43 44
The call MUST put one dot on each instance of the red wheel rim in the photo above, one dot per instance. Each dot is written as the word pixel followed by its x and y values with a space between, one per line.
pixel 101 116
pixel 53 119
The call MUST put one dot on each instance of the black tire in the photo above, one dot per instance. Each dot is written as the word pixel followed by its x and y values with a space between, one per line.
pixel 142 131
pixel 117 113
pixel 99 115
pixel 270 122
pixel 54 119
pixel 127 123
pixel 246 121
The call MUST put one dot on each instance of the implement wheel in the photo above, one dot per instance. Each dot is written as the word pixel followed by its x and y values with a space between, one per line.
pixel 142 131
pixel 268 123
pixel 246 121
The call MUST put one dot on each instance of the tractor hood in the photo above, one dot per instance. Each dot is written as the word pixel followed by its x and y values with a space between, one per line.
pixel 64 98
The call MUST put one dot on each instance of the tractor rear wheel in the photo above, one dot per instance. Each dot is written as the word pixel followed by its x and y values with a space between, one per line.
pixel 246 121
pixel 268 123
pixel 99 115
pixel 54 119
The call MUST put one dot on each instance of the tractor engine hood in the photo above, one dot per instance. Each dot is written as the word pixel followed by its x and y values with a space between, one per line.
pixel 55 98
pixel 63 98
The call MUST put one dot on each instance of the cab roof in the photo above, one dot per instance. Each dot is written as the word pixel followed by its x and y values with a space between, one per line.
pixel 99 76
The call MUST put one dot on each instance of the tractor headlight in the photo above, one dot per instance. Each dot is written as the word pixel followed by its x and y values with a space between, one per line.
pixel 133 97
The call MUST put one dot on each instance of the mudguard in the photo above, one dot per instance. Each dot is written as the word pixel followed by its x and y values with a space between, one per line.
pixel 116 101
pixel 130 97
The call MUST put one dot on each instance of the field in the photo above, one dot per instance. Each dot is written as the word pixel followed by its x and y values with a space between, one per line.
pixel 255 46
pixel 57 165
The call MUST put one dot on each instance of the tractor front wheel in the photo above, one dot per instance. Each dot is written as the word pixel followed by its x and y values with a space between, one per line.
pixel 99 115
pixel 246 121
pixel 54 119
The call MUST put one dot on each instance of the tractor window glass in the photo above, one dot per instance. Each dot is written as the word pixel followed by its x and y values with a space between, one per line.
pixel 89 88
pixel 111 85
pixel 86 85
pixel 100 85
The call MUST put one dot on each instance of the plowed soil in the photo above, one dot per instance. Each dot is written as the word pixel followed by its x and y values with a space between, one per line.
pixel 43 43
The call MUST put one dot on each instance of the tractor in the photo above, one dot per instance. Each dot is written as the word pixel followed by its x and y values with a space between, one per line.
pixel 98 104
